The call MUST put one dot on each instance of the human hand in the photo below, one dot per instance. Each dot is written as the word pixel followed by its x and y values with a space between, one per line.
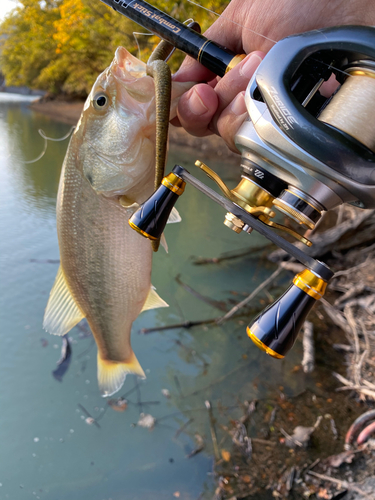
pixel 219 106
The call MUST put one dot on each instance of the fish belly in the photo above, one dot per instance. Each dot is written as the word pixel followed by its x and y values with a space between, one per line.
pixel 107 265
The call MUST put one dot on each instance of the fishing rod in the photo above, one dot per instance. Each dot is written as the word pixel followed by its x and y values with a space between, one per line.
pixel 213 56
pixel 301 152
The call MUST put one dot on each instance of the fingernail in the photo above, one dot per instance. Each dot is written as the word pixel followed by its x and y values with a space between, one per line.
pixel 196 104
pixel 249 65
pixel 238 106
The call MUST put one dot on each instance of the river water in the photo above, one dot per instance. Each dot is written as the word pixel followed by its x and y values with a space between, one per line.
pixel 48 450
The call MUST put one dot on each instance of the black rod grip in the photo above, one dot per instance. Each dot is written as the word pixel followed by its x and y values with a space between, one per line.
pixel 214 57
pixel 275 330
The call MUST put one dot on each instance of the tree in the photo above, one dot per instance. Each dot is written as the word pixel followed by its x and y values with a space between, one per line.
pixel 63 45
pixel 26 44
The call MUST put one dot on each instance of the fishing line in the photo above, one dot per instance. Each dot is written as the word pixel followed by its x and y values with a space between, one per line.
pixel 234 22
pixel 136 41
pixel 46 139
pixel 259 34
pixel 190 20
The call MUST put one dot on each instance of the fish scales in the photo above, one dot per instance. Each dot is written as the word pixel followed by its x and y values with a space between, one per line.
pixel 97 249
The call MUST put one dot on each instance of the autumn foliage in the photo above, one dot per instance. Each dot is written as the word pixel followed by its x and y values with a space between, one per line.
pixel 62 45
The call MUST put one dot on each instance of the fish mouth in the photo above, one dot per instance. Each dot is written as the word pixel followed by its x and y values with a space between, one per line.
pixel 130 73
pixel 131 66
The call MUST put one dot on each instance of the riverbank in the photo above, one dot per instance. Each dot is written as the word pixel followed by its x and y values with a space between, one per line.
pixel 70 111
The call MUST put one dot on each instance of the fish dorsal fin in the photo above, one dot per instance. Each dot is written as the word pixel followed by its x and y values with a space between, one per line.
pixel 153 301
pixel 62 313
pixel 111 374
pixel 174 217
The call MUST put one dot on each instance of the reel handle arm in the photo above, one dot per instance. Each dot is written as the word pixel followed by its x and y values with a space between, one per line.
pixel 275 330
pixel 151 218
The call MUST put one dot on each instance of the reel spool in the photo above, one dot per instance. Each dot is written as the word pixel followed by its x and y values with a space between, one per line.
pixel 353 105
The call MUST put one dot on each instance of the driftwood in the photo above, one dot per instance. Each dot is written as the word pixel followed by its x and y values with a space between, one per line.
pixel 244 302
pixel 357 320
pixel 353 311
pixel 356 230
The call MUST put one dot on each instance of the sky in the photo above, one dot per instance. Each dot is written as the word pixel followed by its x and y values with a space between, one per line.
pixel 5 7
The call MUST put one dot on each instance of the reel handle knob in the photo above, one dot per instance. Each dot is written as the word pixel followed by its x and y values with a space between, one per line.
pixel 151 217
pixel 275 330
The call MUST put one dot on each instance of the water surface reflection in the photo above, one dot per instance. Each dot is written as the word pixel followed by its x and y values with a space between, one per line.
pixel 48 448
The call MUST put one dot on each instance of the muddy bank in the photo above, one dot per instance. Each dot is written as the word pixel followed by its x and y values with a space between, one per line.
pixel 70 111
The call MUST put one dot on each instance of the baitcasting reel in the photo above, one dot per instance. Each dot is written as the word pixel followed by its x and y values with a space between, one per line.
pixel 302 154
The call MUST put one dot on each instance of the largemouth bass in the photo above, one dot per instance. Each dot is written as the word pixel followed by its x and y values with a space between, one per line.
pixel 108 170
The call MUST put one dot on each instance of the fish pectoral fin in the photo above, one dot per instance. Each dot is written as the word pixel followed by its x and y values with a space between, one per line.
pixel 163 242
pixel 128 202
pixel 62 313
pixel 112 374
pixel 174 217
pixel 153 301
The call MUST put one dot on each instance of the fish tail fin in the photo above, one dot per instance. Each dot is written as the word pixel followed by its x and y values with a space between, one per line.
pixel 112 374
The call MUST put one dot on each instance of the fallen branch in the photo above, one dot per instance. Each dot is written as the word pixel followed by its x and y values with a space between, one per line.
pixel 90 419
pixel 265 442
pixel 213 431
pixel 292 439
pixel 200 446
pixel 190 324
pixel 345 272
pixel 344 484
pixel 218 304
pixel 336 316
pixel 230 255
pixel 329 240
pixel 184 324
pixel 353 290
pixel 243 303
pixel 341 379
pixel 183 427
pixel 358 388
pixel 308 360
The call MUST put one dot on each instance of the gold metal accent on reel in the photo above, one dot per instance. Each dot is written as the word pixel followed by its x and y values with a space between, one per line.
pixel 252 198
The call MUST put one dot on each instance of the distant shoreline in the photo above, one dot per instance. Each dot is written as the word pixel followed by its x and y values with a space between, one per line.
pixel 69 112
pixel 63 111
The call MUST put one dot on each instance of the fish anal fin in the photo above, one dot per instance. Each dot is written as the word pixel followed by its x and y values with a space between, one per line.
pixel 153 301
pixel 174 216
pixel 112 374
pixel 62 313
pixel 163 242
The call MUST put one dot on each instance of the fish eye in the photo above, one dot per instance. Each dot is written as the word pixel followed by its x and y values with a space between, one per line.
pixel 100 101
